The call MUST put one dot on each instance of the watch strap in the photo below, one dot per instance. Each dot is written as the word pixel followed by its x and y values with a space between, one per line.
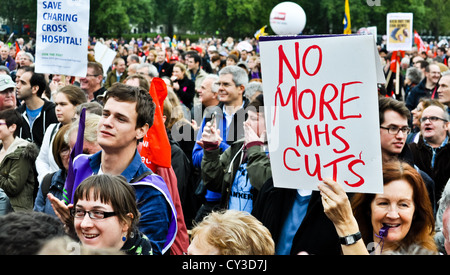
pixel 350 239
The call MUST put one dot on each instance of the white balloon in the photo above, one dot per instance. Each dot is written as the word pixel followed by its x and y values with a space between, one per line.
pixel 287 18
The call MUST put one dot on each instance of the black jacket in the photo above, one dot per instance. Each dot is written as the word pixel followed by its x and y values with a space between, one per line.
pixel 40 125
pixel 407 156
pixel 165 69
pixel 316 235
pixel 441 171
pixel 186 93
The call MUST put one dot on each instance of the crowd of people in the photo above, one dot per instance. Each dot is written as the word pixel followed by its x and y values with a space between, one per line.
pixel 72 165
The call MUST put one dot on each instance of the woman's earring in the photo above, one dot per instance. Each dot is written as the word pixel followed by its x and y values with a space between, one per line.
pixel 124 238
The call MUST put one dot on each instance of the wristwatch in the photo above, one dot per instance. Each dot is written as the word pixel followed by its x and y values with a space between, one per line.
pixel 350 239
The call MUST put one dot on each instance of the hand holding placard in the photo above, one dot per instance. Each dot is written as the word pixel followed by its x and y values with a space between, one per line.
pixel 322 111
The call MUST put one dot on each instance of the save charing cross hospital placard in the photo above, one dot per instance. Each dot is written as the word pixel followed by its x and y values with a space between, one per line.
pixel 62 33
pixel 321 106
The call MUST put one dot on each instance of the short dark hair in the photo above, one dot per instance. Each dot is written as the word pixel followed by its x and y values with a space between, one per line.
pixel 197 58
pixel 388 103
pixel 11 116
pixel 423 64
pixel 25 232
pixel 145 107
pixel 39 80
pixel 98 68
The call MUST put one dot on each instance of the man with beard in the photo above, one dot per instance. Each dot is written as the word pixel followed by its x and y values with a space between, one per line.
pixel 36 112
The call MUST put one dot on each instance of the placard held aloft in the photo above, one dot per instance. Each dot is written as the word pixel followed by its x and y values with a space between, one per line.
pixel 321 103
pixel 62 32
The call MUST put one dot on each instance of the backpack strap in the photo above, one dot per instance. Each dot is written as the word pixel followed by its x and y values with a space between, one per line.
pixel 141 176
pixel 46 182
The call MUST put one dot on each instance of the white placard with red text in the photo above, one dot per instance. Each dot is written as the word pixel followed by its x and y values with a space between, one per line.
pixel 321 102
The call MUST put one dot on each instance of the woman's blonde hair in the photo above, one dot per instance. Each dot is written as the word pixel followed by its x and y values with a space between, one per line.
pixel 90 130
pixel 234 233
pixel 182 67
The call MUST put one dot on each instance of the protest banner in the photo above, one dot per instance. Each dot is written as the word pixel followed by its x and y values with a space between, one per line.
pixel 321 105
pixel 399 31
pixel 62 34
pixel 104 55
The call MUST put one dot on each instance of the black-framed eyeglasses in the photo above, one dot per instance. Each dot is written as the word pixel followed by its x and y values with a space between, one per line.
pixel 93 214
pixel 394 130
pixel 94 75
pixel 431 118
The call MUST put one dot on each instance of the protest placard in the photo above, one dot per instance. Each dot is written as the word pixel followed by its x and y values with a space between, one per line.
pixel 321 100
pixel 399 31
pixel 62 32
pixel 104 55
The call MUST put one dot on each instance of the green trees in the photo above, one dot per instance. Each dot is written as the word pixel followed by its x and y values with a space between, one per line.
pixel 237 18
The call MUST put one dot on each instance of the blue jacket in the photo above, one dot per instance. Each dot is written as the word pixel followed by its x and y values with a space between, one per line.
pixel 229 134
pixel 56 189
pixel 158 216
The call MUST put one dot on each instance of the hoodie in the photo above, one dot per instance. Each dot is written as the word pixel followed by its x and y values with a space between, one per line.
pixel 35 133
pixel 18 174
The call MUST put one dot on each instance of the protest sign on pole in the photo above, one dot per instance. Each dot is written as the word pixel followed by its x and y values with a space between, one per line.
pixel 321 106
pixel 62 34
pixel 399 31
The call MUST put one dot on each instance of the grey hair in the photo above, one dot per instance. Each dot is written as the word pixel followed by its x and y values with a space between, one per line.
pixel 240 77
pixel 30 56
pixel 444 73
pixel 152 71
pixel 414 74
pixel 215 78
pixel 252 88
pixel 444 202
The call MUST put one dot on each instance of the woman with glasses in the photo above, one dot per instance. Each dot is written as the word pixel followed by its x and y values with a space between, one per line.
pixel 53 183
pixel 105 215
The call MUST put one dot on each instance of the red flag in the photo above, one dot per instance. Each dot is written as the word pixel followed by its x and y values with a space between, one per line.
pixel 418 41
pixel 156 150
pixel 17 48
pixel 396 58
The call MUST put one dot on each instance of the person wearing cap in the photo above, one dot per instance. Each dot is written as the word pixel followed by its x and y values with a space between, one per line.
pixel 7 93
pixel 211 50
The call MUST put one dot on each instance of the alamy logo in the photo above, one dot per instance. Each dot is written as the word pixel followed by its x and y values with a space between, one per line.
pixel 373 3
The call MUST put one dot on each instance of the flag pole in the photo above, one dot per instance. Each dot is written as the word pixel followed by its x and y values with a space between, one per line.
pixel 397 74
